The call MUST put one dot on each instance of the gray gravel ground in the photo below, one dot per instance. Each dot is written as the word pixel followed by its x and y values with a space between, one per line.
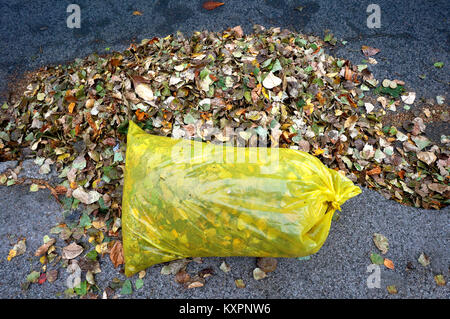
pixel 338 270
pixel 414 35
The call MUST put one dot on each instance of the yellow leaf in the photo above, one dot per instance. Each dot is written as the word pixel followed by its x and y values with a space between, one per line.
pixel 63 156
pixel 439 279
pixel 12 254
pixel 102 248
pixel 137 13
pixel 98 224
pixel 318 151
pixel 71 107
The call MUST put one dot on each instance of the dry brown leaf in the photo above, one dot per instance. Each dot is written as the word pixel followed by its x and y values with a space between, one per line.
pixel 182 277
pixel 238 30
pixel 195 284
pixel 72 251
pixel 369 51
pixel 52 275
pixel 116 254
pixel 43 249
pixel 211 5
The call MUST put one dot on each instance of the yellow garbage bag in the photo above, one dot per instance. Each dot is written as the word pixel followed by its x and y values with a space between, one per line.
pixel 184 198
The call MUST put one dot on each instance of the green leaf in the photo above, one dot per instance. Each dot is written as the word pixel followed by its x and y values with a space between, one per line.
pixel 266 63
pixel 301 103
pixel 33 276
pixel 92 255
pixel 189 119
pixel 123 128
pixel 139 283
pixel 376 259
pixel 126 288
pixel 34 188
pixel 277 66
pixel 82 289
pixel 439 65
pixel 204 73
pixel 85 221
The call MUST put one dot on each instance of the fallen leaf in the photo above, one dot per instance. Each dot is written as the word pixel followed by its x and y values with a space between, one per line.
pixel 374 171
pixel 137 13
pixel 127 289
pixel 392 289
pixel 259 274
pixel 75 274
pixel 71 107
pixel 52 275
pixel 33 276
pixel 18 249
pixel 369 107
pixel 211 5
pixel 42 278
pixel 195 284
pixel 271 81
pixel 86 197
pixel 238 30
pixel 369 51
pixel 116 254
pixel 439 279
pixel 427 157
pixel 381 242
pixel 388 263
pixel 376 259
pixel 71 251
pixel 182 277
pixel 409 98
pixel 239 283
pixel 225 267
pixel 43 249
pixel 267 264
pixel 142 89
pixel 424 260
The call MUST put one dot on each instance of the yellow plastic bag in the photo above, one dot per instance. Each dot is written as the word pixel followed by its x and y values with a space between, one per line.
pixel 184 198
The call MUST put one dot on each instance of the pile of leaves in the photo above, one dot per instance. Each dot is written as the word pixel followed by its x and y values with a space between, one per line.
pixel 273 83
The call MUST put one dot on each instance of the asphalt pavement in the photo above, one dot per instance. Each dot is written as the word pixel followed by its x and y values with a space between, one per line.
pixel 413 36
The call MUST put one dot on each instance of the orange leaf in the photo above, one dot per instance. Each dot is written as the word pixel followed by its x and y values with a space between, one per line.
pixel 240 111
pixel 401 174
pixel 211 5
pixel 320 98
pixel 115 62
pixel 116 254
pixel 137 13
pixel 140 115
pixel 91 122
pixel 388 263
pixel 71 107
pixel 374 171
pixel 77 129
